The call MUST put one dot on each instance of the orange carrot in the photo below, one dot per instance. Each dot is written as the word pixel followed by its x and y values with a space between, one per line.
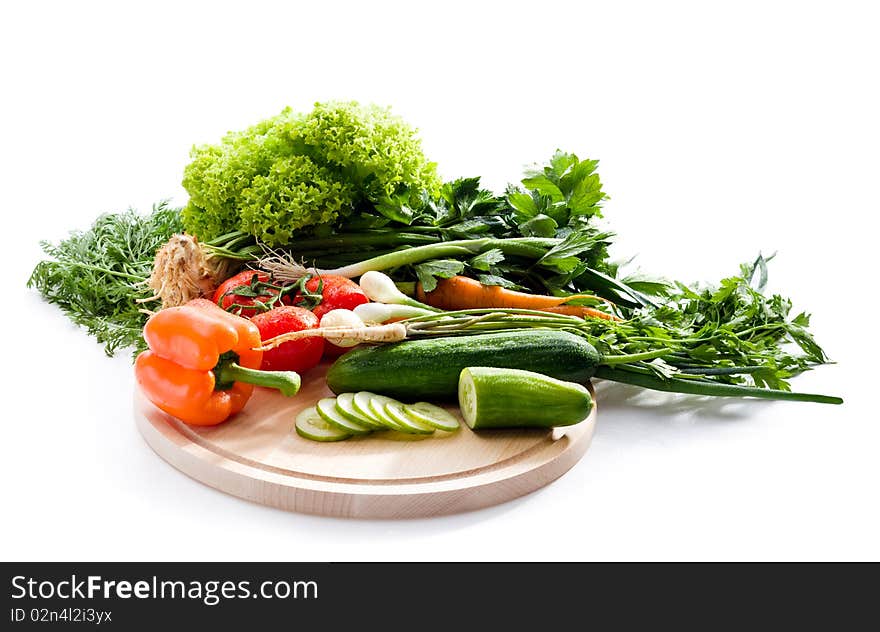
pixel 464 293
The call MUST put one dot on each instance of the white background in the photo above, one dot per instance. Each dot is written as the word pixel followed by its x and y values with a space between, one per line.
pixel 722 132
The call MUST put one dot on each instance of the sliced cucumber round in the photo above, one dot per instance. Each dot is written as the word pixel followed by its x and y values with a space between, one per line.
pixel 310 425
pixel 345 407
pixel 432 415
pixel 395 410
pixel 327 409
pixel 377 407
pixel 360 404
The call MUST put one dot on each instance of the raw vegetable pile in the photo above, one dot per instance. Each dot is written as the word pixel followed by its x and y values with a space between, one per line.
pixel 285 216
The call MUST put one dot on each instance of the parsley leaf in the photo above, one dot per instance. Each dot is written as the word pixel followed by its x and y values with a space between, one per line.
pixel 486 260
pixel 430 271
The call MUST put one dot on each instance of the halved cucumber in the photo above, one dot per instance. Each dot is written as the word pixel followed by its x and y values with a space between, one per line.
pixel 508 398
pixel 345 407
pixel 377 407
pixel 311 425
pixel 432 415
pixel 327 409
pixel 394 409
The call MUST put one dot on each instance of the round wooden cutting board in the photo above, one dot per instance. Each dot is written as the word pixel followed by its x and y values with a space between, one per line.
pixel 257 455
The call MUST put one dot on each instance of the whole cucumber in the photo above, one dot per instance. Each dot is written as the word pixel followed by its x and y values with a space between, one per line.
pixel 429 368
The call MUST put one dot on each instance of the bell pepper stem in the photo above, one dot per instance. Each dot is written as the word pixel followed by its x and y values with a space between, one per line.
pixel 287 382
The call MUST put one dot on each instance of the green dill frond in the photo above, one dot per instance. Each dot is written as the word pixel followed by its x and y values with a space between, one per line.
pixel 96 276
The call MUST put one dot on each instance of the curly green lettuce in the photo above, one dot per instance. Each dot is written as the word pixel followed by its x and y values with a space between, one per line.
pixel 297 170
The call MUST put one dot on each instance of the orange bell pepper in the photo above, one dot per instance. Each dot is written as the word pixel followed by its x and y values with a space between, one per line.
pixel 201 366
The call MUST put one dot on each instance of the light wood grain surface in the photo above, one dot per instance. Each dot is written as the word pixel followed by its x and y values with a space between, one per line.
pixel 258 456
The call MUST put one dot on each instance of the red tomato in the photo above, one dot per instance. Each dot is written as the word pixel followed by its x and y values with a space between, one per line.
pixel 296 355
pixel 336 293
pixel 224 296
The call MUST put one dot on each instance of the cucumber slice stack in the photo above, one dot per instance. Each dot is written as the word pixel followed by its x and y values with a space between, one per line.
pixel 351 414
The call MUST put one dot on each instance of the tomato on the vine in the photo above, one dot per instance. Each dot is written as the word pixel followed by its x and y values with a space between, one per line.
pixel 248 293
